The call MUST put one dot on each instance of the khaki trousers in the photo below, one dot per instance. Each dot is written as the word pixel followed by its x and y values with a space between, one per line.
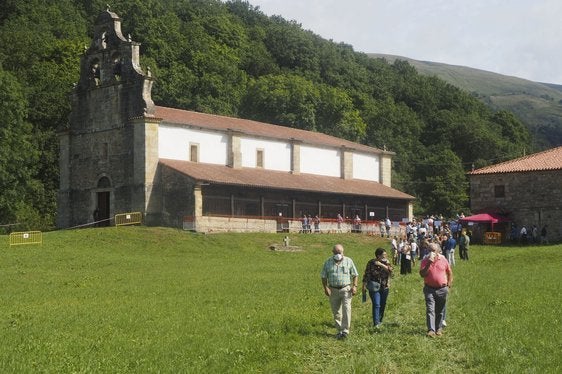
pixel 340 301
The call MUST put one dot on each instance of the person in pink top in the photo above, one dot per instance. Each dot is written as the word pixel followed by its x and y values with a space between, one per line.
pixel 437 277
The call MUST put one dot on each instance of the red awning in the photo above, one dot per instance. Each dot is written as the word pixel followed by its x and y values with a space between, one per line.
pixel 491 218
pixel 485 217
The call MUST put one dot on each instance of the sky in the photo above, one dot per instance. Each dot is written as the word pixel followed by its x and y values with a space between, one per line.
pixel 521 38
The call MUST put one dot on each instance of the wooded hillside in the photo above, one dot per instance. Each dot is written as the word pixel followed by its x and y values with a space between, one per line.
pixel 537 105
pixel 231 59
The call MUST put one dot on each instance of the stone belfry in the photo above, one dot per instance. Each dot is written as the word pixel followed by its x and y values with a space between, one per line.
pixel 113 61
pixel 108 154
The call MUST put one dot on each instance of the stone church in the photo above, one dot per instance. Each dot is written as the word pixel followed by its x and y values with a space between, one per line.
pixel 122 153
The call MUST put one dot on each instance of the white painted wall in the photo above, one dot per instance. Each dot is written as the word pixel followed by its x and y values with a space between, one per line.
pixel 276 154
pixel 320 161
pixel 173 143
pixel 366 167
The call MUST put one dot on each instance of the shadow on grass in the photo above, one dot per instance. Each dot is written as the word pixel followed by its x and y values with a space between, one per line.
pixel 395 328
pixel 326 329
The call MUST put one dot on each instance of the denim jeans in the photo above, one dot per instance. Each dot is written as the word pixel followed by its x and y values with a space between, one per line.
pixel 451 257
pixel 435 301
pixel 378 300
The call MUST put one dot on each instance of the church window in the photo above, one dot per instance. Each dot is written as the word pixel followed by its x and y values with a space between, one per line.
pixel 117 66
pixel 259 158
pixel 95 73
pixel 102 41
pixel 499 191
pixel 194 152
pixel 104 182
pixel 104 151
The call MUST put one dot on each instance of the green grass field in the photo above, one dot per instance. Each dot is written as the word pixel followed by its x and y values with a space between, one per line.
pixel 144 300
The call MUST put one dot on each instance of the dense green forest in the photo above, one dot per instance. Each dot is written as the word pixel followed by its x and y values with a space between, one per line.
pixel 538 105
pixel 229 58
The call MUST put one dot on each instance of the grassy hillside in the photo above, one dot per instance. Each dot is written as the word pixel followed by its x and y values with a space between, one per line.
pixel 538 105
pixel 146 300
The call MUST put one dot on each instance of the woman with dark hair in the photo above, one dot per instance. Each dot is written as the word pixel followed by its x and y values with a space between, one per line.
pixel 377 281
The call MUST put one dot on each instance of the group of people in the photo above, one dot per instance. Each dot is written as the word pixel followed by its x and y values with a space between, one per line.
pixel 406 250
pixel 308 221
pixel 340 282
pixel 531 235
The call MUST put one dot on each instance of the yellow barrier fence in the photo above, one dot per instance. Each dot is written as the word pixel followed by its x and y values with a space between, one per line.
pixel 128 218
pixel 28 237
pixel 493 237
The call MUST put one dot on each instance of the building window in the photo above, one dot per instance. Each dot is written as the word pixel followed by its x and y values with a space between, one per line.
pixel 499 191
pixel 104 151
pixel 117 66
pixel 95 72
pixel 104 182
pixel 259 158
pixel 194 152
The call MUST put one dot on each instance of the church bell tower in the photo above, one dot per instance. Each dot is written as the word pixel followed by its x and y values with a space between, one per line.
pixel 108 154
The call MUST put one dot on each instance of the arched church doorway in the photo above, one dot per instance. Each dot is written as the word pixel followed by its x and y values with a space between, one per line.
pixel 103 202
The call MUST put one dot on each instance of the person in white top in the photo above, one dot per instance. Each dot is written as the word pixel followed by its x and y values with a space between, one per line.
pixel 413 251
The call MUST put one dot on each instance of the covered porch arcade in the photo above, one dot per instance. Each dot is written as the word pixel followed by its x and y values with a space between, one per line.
pixel 222 191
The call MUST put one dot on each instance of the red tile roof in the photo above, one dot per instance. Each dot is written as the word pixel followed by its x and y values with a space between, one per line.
pixel 250 177
pixel 547 160
pixel 222 123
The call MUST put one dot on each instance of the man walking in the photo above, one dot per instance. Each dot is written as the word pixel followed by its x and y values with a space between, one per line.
pixel 339 279
pixel 450 246
pixel 438 278
pixel 464 245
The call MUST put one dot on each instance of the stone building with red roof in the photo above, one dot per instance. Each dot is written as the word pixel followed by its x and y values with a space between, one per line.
pixel 528 190
pixel 122 153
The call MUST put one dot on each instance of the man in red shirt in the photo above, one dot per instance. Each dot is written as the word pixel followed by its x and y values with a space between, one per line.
pixel 438 278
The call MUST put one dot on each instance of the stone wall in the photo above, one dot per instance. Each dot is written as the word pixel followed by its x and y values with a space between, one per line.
pixel 177 197
pixel 229 224
pixel 530 198
pixel 346 163
pixel 386 171
pixel 210 224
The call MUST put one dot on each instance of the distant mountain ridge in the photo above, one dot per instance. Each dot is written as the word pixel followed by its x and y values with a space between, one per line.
pixel 538 105
pixel 555 86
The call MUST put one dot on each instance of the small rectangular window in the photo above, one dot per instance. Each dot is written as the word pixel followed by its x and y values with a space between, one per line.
pixel 104 151
pixel 499 191
pixel 259 158
pixel 194 152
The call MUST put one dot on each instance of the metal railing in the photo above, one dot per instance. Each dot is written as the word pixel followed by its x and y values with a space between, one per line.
pixel 122 219
pixel 27 237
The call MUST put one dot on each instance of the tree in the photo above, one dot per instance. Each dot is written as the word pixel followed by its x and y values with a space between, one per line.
pixel 511 128
pixel 440 183
pixel 18 154
pixel 288 100
pixel 336 115
pixel 291 47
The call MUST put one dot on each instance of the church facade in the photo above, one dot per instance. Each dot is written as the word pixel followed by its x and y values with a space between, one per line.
pixel 122 153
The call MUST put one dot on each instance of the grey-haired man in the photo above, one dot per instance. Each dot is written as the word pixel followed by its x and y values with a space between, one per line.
pixel 339 279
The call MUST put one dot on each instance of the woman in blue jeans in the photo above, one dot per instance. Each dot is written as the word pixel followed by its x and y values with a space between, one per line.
pixel 378 270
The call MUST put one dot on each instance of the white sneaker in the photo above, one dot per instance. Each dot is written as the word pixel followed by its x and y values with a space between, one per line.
pixel 444 323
